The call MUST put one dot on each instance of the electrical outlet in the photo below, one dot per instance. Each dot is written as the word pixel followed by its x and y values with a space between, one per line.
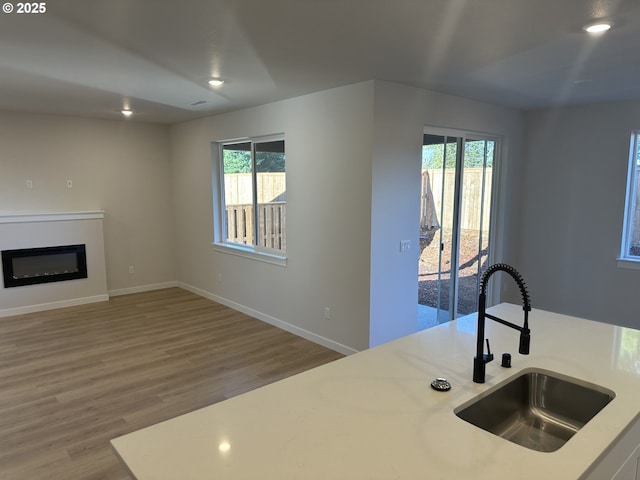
pixel 405 245
pixel 132 269
pixel 219 277
pixel 69 183
pixel 29 183
pixel 327 313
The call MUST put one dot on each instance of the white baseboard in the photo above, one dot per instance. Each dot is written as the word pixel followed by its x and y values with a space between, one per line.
pixel 51 305
pixel 142 288
pixel 301 332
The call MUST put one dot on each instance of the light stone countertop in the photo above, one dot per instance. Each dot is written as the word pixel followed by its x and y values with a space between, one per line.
pixel 372 415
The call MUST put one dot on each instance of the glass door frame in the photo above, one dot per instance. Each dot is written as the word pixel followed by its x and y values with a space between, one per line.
pixel 462 136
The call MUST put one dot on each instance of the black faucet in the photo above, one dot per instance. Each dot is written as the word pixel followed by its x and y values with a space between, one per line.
pixel 481 359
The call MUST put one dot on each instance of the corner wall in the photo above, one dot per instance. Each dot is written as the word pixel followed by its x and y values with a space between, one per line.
pixel 353 191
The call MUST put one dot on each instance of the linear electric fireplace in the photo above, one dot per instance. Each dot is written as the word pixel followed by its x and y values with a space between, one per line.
pixel 29 266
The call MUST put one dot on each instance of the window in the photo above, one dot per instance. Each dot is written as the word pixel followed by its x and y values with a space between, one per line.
pixel 253 195
pixel 631 231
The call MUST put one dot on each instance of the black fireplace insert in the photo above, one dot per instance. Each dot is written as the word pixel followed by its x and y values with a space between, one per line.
pixel 30 266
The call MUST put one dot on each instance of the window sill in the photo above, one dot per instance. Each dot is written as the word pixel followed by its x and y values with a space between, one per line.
pixel 629 263
pixel 251 253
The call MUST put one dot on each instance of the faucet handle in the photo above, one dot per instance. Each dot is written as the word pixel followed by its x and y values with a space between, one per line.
pixel 488 356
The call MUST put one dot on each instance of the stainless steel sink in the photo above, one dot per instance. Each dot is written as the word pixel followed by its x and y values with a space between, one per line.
pixel 537 409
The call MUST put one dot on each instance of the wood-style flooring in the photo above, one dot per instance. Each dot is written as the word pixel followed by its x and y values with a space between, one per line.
pixel 71 379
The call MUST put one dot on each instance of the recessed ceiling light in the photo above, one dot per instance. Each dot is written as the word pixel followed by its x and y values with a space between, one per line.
pixel 216 82
pixel 597 27
pixel 127 112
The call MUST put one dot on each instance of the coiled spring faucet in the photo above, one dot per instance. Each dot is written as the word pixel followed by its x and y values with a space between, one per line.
pixel 481 359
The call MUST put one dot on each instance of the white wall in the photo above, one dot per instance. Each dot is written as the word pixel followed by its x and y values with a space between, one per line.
pixel 571 221
pixel 401 113
pixel 328 149
pixel 120 167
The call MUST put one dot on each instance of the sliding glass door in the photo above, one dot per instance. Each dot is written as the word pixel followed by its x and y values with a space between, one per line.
pixel 457 173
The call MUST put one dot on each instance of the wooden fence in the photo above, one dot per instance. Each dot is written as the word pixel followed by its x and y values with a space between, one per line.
pixel 238 187
pixel 271 224
pixel 471 204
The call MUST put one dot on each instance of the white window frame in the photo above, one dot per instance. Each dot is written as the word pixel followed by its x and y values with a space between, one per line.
pixel 625 260
pixel 220 243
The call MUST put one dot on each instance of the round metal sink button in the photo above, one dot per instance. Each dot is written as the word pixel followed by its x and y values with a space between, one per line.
pixel 441 384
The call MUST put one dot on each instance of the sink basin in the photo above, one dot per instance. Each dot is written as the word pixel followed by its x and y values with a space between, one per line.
pixel 537 409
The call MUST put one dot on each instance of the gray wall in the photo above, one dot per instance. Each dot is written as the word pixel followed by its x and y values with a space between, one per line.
pixel 573 204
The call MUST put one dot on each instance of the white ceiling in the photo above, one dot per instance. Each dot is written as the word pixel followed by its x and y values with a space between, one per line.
pixel 92 57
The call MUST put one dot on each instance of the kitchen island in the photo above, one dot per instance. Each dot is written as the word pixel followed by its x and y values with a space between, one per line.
pixel 373 415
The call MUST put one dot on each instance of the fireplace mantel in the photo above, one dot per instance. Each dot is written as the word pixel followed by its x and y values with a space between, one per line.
pixel 49 216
